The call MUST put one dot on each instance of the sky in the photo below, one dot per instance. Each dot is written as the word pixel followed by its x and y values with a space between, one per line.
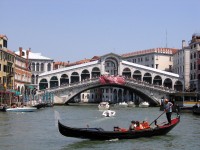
pixel 72 30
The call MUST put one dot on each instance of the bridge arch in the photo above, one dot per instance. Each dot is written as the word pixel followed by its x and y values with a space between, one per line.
pixel 157 80
pixel 111 65
pixel 85 75
pixel 178 86
pixel 96 72
pixel 75 77
pixel 118 94
pixel 167 83
pixel 54 82
pixel 147 78
pixel 64 79
pixel 137 75
pixel 43 84
pixel 126 72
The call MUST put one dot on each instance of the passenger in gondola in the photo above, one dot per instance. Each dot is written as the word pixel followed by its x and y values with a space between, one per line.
pixel 138 126
pixel 132 125
pixel 168 109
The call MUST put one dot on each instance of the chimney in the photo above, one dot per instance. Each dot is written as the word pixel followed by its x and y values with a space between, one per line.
pixel 20 51
pixel 183 44
pixel 27 54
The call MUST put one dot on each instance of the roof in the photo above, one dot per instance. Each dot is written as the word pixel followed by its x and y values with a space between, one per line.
pixel 68 68
pixel 149 68
pixel 34 55
pixel 154 50
pixel 3 36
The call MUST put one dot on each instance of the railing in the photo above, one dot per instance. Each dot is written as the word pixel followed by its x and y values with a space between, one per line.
pixel 129 81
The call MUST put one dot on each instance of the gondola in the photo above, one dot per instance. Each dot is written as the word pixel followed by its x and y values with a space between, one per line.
pixel 196 111
pixel 100 134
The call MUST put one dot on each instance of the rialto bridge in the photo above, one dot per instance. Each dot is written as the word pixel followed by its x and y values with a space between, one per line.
pixel 148 83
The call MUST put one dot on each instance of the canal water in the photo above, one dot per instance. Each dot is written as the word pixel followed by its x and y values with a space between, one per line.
pixel 38 130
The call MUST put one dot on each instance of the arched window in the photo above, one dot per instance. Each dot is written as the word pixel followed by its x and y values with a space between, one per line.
pixel 42 66
pixel 37 67
pixel 33 67
pixel 49 67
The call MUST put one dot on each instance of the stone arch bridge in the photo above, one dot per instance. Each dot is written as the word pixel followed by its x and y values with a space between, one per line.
pixel 149 83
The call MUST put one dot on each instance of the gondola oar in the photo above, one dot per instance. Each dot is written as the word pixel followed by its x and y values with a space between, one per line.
pixel 157 118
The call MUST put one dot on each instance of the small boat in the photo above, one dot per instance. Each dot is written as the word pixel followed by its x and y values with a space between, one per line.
pixel 196 109
pixel 124 104
pixel 108 113
pixel 144 104
pixel 22 109
pixel 131 104
pixel 121 104
pixel 121 133
pixel 2 108
pixel 103 106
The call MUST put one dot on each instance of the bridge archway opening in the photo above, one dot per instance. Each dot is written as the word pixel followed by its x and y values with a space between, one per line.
pixel 43 84
pixel 126 73
pixel 178 86
pixel 74 77
pixel 64 79
pixel 147 78
pixel 53 82
pixel 168 83
pixel 137 75
pixel 96 72
pixel 111 65
pixel 118 95
pixel 157 80
pixel 85 75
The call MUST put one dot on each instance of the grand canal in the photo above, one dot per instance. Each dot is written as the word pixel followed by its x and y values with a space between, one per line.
pixel 38 130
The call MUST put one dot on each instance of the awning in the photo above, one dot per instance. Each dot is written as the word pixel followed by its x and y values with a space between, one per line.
pixel 30 86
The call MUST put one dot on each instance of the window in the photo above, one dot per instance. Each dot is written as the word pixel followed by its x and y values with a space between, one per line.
pixel 170 67
pixel 33 67
pixel 156 66
pixel 42 67
pixel 37 66
pixel 49 67
pixel 4 43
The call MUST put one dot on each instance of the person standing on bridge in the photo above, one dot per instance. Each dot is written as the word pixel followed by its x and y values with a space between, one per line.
pixel 168 109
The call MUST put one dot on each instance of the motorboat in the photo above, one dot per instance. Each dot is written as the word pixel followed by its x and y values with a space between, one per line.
pixel 108 113
pixel 124 104
pixel 121 104
pixel 144 104
pixel 3 108
pixel 22 109
pixel 103 106
pixel 131 104
pixel 117 133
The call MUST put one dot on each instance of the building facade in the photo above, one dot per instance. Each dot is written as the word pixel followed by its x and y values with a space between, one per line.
pixel 7 60
pixel 36 63
pixel 153 58
pixel 187 63
pixel 7 64
pixel 22 72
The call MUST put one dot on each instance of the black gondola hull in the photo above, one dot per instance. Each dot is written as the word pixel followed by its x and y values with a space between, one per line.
pixel 100 134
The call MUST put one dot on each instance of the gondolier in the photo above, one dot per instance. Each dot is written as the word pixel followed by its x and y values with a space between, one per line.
pixel 168 109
